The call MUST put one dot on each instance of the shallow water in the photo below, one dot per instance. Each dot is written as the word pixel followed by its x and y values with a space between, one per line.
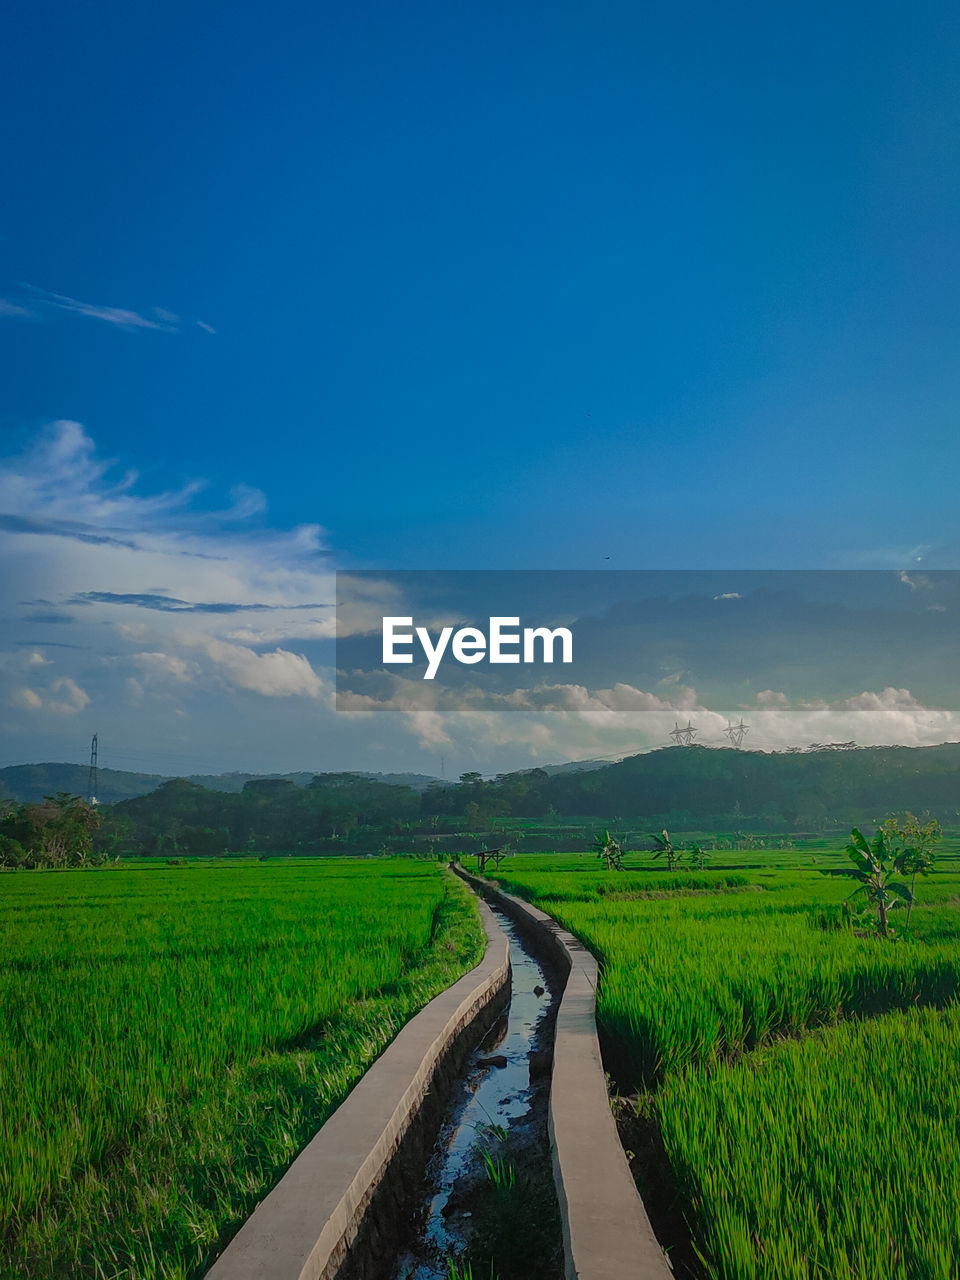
pixel 488 1096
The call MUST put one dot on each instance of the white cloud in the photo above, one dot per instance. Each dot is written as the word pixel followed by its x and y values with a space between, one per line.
pixel 133 691
pixel 291 629
pixel 280 674
pixel 74 527
pixel 194 616
pixel 26 698
pixel 158 318
pixel 122 317
pixel 63 697
pixel 170 599
pixel 11 309
pixel 59 478
pixel 772 698
pixel 161 666
pixel 73 697
pixel 568 722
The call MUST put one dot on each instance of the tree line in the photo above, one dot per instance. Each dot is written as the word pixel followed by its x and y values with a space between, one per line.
pixel 695 788
pixel 57 831
pixel 677 788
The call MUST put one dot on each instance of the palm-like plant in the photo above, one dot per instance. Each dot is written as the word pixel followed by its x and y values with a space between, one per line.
pixel 665 849
pixel 608 851
pixel 698 857
pixel 877 866
pixel 914 840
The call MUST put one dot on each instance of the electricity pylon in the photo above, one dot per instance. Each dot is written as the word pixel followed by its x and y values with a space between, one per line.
pixel 683 737
pixel 737 732
pixel 92 780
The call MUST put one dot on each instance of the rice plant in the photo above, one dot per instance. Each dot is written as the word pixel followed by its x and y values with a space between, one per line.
pixel 833 1155
pixel 170 1038
pixel 805 1080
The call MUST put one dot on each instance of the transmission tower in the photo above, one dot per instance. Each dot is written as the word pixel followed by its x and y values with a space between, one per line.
pixel 92 781
pixel 683 737
pixel 737 732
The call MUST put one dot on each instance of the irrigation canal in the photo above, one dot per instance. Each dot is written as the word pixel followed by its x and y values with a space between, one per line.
pixel 494 1130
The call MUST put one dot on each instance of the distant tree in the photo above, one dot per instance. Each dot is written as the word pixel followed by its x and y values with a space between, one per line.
pixel 666 849
pixel 471 814
pixel 12 853
pixel 608 851
pixel 697 857
pixel 878 868
pixel 270 788
pixel 57 832
pixel 913 841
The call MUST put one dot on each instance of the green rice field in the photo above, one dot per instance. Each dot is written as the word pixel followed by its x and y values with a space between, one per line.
pixel 802 1082
pixel 170 1037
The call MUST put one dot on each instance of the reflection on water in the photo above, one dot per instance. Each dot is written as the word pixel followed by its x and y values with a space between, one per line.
pixel 491 1096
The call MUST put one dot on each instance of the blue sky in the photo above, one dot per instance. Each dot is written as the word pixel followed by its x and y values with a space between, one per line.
pixel 512 285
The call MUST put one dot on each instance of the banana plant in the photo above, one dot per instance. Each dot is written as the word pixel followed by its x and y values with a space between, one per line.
pixel 877 866
pixel 697 857
pixel 608 851
pixel 665 849
pixel 914 839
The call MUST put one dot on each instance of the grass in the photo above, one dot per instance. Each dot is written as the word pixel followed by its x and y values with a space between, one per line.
pixel 170 1038
pixel 833 1155
pixel 804 1081
pixel 515 1229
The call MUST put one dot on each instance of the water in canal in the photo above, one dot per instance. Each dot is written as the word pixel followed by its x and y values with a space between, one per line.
pixel 488 1100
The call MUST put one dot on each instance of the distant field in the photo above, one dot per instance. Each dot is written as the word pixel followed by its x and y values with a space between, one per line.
pixel 812 854
pixel 170 1037
pixel 805 1082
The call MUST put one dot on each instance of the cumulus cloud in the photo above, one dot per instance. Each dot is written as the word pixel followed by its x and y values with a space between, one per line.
pixel 572 721
pixel 133 691
pixel 161 666
pixel 280 674
pixel 558 721
pixel 63 697
pixel 882 717
pixel 27 698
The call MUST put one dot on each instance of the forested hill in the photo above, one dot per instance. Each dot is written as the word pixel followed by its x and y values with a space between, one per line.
pixel 31 782
pixel 699 784
pixel 678 787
